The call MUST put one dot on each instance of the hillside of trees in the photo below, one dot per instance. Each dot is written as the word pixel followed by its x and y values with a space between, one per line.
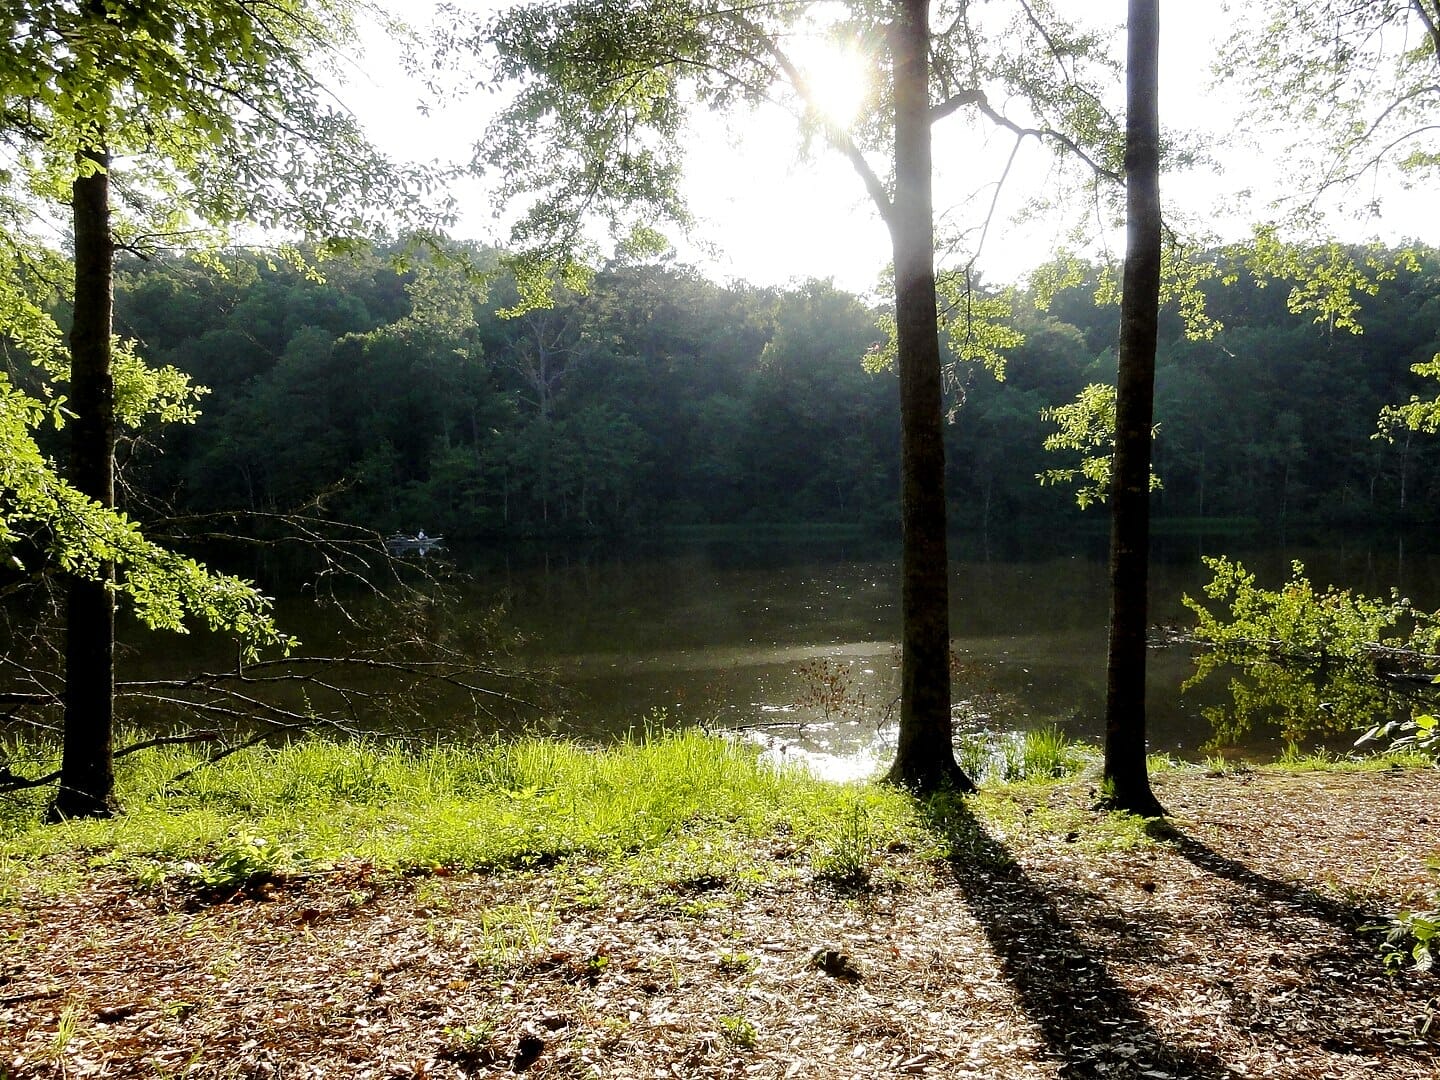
pixel 404 401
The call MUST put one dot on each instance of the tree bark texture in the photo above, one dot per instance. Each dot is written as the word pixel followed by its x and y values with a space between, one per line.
pixel 1127 783
pixel 87 780
pixel 925 755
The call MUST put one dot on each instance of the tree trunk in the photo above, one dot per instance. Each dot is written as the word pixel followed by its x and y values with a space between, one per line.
pixel 87 771
pixel 925 754
pixel 1127 783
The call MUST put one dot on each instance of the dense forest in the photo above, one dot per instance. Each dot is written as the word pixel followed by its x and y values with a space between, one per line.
pixel 403 400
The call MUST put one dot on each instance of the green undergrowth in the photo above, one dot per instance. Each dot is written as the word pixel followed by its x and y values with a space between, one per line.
pixel 670 805
pixel 675 814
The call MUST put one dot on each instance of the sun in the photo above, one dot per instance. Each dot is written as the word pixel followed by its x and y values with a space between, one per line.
pixel 838 80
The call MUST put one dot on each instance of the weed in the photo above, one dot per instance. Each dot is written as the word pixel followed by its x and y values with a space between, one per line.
pixel 1047 753
pixel 66 1028
pixel 735 963
pixel 739 1031
pixel 472 1046
pixel 845 858
pixel 510 933
pixel 241 861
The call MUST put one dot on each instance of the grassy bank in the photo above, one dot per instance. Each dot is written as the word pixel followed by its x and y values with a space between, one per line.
pixel 662 805
pixel 314 803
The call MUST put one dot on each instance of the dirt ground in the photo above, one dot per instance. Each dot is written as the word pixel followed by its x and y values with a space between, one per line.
pixel 1229 948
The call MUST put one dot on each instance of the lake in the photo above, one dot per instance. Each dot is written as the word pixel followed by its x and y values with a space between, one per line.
pixel 794 642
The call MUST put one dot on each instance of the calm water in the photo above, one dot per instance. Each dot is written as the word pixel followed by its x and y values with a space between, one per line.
pixel 795 643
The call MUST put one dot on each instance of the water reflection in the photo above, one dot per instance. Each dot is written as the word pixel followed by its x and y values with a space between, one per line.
pixel 1304 702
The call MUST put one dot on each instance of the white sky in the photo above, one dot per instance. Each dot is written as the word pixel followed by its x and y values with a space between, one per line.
pixel 765 216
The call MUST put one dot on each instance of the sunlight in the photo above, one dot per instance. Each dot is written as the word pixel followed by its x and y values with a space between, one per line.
pixel 838 78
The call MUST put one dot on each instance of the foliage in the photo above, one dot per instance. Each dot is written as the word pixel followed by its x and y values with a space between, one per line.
pixel 594 136
pixel 1357 80
pixel 1418 735
pixel 1087 427
pixel 1299 621
pixel 1329 278
pixel 77 535
pixel 1416 414
pixel 1413 934
pixel 1307 658
pixel 209 113
pixel 691 403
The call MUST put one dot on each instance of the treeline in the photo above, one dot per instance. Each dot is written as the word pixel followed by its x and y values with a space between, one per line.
pixel 404 401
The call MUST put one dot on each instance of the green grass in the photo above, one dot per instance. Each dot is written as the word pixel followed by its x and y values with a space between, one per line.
pixel 683 816
pixel 1294 759
pixel 1041 754
pixel 670 803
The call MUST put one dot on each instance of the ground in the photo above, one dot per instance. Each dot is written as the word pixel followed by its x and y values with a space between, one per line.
pixel 1230 946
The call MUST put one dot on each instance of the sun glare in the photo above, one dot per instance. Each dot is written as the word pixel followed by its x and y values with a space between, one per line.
pixel 838 81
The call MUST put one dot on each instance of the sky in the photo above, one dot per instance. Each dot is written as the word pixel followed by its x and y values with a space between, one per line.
pixel 767 215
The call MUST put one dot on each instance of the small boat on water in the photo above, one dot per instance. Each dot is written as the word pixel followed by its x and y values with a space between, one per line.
pixel 418 544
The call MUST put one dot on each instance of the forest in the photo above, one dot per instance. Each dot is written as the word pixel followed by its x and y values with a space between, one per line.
pixel 402 400
pixel 241 836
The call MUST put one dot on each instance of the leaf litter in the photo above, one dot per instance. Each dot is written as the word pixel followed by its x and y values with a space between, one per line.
pixel 1230 945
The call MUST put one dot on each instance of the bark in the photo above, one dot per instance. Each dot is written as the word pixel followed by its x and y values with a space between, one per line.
pixel 1127 783
pixel 925 755
pixel 87 770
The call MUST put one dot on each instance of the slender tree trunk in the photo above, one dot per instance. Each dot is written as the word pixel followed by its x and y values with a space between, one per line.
pixel 1127 783
pixel 925 754
pixel 87 771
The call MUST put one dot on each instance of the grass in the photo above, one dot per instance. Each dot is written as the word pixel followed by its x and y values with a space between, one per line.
pixel 673 805
pixel 677 814
pixel 1041 754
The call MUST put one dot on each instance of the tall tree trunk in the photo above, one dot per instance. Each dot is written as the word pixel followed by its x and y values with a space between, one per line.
pixel 925 754
pixel 1127 783
pixel 87 771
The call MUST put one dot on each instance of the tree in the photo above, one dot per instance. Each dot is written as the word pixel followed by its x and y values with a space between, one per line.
pixel 596 131
pixel 217 117
pixel 1127 783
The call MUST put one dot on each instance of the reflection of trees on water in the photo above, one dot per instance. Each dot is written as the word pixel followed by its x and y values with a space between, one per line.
pixel 1302 700
pixel 1309 664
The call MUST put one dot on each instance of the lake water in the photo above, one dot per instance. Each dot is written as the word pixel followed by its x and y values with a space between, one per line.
pixel 795 643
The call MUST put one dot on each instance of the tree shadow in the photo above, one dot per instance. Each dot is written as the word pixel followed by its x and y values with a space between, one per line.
pixel 1352 1004
pixel 1091 1024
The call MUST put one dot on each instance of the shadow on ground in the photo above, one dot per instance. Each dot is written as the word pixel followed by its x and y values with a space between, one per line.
pixel 1351 1005
pixel 1091 1025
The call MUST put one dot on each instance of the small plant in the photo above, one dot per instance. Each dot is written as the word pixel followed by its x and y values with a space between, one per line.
pixel 1048 753
pixel 738 1031
pixel 509 933
pixel 242 860
pixel 1419 735
pixel 65 1030
pixel 735 963
pixel 1412 937
pixel 1040 754
pixel 845 858
pixel 472 1046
